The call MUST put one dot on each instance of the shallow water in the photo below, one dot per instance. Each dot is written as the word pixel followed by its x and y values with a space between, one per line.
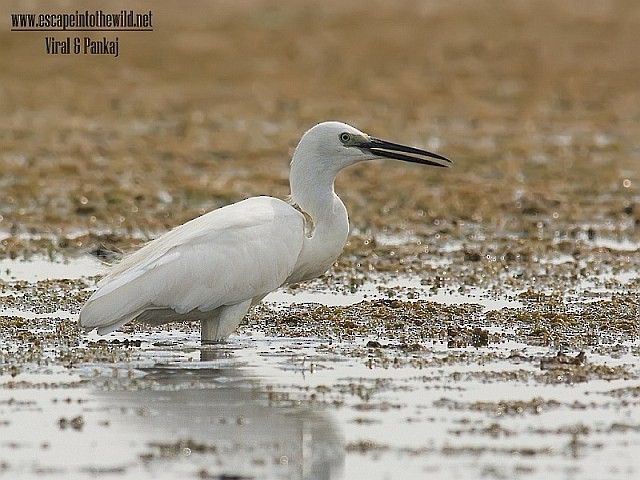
pixel 482 321
pixel 40 269
pixel 154 404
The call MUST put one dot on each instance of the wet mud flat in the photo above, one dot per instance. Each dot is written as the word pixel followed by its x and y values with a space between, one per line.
pixel 327 380
pixel 482 322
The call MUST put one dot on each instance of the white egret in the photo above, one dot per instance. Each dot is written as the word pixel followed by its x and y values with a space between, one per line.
pixel 215 267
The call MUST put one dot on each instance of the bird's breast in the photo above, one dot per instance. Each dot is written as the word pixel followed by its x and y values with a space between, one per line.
pixel 322 248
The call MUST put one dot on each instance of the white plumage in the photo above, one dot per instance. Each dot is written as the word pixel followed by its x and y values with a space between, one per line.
pixel 213 268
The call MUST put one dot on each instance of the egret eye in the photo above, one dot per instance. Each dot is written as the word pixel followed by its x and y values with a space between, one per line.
pixel 345 137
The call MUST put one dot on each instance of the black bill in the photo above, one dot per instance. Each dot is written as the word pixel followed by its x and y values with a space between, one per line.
pixel 382 148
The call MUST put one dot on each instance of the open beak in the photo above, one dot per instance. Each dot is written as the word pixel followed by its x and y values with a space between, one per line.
pixel 382 148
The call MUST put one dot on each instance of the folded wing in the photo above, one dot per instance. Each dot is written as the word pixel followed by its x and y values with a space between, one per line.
pixel 238 252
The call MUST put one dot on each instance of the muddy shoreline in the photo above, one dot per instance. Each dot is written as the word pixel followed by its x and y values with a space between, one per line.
pixel 482 322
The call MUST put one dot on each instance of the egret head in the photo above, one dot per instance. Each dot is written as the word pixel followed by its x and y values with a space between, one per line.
pixel 329 147
pixel 334 146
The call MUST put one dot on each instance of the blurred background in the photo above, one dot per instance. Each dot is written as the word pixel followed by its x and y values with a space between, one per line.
pixel 537 103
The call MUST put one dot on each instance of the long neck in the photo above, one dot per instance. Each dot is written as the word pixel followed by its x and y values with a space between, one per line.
pixel 312 188
pixel 328 228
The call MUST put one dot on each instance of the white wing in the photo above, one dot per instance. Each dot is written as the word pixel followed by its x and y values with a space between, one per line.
pixel 227 256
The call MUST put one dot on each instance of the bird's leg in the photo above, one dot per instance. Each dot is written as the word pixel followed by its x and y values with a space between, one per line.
pixel 209 331
pixel 222 324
